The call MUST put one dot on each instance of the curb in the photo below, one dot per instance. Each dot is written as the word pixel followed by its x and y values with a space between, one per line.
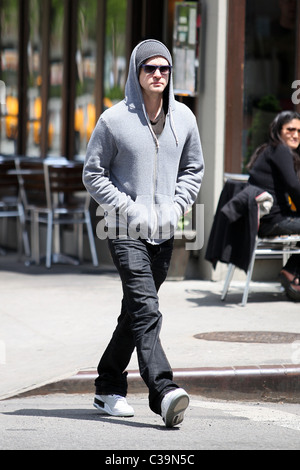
pixel 266 383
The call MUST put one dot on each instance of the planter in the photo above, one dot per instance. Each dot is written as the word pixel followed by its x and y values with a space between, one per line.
pixel 180 257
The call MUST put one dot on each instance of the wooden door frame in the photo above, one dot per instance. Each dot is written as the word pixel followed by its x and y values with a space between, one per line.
pixel 234 85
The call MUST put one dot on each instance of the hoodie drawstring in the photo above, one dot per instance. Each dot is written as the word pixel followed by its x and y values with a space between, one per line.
pixel 173 127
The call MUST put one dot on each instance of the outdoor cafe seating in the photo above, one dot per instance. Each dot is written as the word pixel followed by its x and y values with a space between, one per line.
pixel 234 238
pixel 51 194
pixel 11 205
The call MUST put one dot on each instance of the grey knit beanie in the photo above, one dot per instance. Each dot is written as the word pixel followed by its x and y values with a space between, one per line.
pixel 151 48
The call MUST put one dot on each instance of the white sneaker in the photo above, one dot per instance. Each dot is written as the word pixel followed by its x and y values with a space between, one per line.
pixel 114 405
pixel 173 407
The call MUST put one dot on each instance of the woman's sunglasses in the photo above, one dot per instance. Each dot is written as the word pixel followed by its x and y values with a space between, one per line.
pixel 163 69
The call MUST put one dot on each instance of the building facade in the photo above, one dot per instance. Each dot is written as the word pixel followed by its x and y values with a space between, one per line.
pixel 64 61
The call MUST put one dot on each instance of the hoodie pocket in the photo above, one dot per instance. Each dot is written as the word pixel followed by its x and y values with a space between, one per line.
pixel 142 218
pixel 168 214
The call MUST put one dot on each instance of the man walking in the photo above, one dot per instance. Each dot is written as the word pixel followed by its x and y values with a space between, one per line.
pixel 144 166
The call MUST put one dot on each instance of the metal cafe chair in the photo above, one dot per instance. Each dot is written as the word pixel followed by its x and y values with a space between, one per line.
pixel 30 173
pixel 67 204
pixel 265 248
pixel 10 202
pixel 279 247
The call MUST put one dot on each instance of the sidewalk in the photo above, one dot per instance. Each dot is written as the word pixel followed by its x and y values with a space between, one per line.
pixel 56 323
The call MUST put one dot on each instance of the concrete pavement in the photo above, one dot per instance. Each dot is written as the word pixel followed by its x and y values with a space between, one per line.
pixel 56 323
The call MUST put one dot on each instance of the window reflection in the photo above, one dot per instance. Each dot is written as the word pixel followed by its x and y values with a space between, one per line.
pixel 9 75
pixel 45 81
pixel 115 52
pixel 270 53
pixel 56 78
pixel 35 80
pixel 86 56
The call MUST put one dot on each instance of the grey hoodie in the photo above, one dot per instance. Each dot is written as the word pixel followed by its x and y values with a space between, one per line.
pixel 144 183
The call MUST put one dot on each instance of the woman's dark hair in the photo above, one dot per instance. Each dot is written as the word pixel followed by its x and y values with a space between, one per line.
pixel 274 138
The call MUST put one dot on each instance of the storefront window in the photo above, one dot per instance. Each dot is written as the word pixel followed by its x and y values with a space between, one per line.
pixel 187 21
pixel 86 57
pixel 9 75
pixel 34 80
pixel 270 57
pixel 56 78
pixel 115 52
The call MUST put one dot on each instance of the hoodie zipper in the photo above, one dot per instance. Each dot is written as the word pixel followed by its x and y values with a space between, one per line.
pixel 154 187
pixel 172 126
pixel 153 211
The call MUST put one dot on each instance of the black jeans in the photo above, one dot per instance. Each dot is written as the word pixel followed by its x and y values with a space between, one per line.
pixel 142 268
pixel 287 226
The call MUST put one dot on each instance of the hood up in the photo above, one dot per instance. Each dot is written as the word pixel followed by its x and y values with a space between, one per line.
pixel 143 51
pixel 133 93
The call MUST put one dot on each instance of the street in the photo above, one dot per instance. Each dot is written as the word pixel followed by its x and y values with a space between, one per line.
pixel 69 422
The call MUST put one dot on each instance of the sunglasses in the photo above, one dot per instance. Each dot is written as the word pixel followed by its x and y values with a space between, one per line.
pixel 292 130
pixel 163 69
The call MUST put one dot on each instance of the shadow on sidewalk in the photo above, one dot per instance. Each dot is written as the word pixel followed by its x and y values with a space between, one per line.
pixel 84 415
pixel 209 298
pixel 10 262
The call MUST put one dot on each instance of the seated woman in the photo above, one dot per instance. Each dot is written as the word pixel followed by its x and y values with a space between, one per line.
pixel 275 167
